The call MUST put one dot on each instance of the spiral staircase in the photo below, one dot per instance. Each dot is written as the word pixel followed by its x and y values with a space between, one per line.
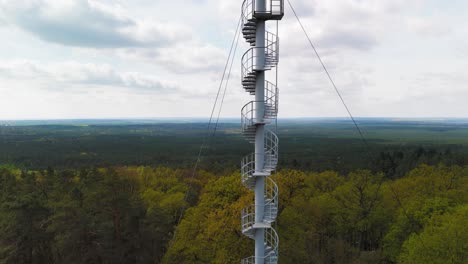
pixel 252 117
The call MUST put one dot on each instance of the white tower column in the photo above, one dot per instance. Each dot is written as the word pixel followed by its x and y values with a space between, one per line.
pixel 260 137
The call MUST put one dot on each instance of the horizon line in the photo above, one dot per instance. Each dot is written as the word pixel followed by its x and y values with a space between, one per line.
pixel 224 118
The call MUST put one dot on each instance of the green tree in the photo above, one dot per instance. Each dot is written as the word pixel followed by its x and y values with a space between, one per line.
pixel 444 240
pixel 210 232
pixel 23 220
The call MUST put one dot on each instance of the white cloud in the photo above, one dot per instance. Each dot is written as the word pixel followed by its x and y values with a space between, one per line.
pixel 378 52
pixel 434 27
pixel 184 58
pixel 344 24
pixel 89 23
pixel 68 75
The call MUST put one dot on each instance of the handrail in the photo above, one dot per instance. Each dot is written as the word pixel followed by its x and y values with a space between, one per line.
pixel 248 111
pixel 248 217
pixel 249 58
pixel 271 144
pixel 271 148
pixel 271 96
pixel 247 10
pixel 248 115
pixel 272 192
pixel 270 158
pixel 270 208
pixel 247 167
pixel 272 241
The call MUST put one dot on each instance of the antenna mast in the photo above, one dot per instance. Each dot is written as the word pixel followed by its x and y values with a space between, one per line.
pixel 255 115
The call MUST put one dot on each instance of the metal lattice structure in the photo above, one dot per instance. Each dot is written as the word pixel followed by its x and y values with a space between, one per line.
pixel 256 167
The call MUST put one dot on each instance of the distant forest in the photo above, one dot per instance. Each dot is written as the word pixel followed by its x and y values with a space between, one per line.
pixel 126 193
pixel 392 147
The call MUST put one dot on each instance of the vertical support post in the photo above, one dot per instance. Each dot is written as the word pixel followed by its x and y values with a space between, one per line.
pixel 260 6
pixel 260 246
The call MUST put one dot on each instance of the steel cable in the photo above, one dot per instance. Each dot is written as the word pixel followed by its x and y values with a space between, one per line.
pixel 230 58
pixel 365 142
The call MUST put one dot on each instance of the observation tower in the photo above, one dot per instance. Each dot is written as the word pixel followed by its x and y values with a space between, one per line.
pixel 256 115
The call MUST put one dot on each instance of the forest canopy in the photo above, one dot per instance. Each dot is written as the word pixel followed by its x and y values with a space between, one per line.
pixel 131 215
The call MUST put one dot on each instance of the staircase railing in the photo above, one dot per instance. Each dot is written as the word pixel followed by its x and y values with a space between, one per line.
pixel 271 197
pixel 248 7
pixel 271 249
pixel 270 158
pixel 247 169
pixel 249 60
pixel 271 151
pixel 272 45
pixel 247 217
pixel 248 117
pixel 271 100
pixel 270 209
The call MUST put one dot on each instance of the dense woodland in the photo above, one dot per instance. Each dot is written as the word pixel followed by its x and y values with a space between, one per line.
pixel 130 215
pixel 103 194
pixel 393 147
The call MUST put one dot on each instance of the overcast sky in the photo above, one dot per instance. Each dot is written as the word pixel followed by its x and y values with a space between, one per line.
pixel 155 58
